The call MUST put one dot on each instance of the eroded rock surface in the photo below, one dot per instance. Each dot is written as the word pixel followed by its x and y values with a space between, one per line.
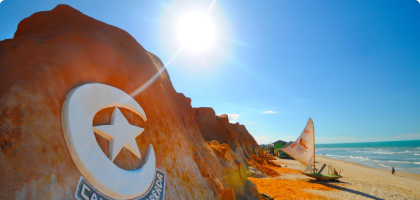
pixel 55 51
pixel 218 128
pixel 245 134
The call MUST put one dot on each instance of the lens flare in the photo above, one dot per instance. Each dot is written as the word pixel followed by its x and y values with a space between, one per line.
pixel 196 31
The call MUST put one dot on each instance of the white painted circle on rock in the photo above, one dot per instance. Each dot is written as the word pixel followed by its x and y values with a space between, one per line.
pixel 79 109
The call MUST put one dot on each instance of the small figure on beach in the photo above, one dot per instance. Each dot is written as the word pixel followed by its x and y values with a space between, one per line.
pixel 393 170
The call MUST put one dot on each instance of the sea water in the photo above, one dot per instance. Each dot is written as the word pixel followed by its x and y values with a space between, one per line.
pixel 402 155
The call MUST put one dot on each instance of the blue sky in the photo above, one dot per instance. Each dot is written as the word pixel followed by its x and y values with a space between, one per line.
pixel 352 66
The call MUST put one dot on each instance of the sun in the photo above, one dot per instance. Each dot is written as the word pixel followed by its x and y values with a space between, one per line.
pixel 196 31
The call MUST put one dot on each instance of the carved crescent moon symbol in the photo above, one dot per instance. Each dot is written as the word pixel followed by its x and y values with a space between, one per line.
pixel 79 108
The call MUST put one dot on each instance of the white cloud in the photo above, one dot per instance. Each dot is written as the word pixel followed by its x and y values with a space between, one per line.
pixel 249 122
pixel 418 1
pixel 397 137
pixel 233 117
pixel 272 112
pixel 1 1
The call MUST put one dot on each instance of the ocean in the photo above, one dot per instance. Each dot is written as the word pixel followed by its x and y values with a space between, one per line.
pixel 402 155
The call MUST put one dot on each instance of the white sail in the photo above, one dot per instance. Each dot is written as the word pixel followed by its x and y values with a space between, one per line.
pixel 303 149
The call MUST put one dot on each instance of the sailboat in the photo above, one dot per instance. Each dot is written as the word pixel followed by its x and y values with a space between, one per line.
pixel 303 150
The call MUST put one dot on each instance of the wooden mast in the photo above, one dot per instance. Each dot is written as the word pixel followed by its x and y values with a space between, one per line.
pixel 313 127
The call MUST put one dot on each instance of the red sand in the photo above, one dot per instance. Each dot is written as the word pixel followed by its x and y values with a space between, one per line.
pixel 280 188
pixel 263 164
pixel 288 189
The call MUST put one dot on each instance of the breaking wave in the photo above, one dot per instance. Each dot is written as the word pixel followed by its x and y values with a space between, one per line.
pixel 393 161
pixel 360 157
pixel 380 152
pixel 384 165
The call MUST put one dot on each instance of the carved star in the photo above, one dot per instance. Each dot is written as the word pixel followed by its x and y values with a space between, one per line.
pixel 120 134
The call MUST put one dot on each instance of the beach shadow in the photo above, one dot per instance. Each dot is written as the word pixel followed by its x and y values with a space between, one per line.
pixel 287 158
pixel 327 182
pixel 331 183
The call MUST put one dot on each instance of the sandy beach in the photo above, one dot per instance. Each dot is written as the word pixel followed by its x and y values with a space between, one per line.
pixel 363 182
pixel 358 182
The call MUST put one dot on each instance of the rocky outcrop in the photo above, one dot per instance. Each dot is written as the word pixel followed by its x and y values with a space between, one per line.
pixel 214 127
pixel 55 51
pixel 218 128
pixel 245 134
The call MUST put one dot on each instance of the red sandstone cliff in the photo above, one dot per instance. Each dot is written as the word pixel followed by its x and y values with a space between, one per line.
pixel 55 51
pixel 218 128
pixel 247 136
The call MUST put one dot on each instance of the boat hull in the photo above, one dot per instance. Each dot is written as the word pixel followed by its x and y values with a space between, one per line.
pixel 323 177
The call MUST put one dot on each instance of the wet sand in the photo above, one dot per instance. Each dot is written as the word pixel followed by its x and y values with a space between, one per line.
pixel 358 182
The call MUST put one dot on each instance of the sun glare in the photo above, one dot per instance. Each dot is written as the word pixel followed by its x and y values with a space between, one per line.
pixel 196 31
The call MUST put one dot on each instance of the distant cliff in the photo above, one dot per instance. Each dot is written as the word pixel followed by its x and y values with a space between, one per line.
pixel 213 127
pixel 245 134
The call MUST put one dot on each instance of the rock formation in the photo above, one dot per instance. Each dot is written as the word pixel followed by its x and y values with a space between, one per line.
pixel 218 128
pixel 245 134
pixel 55 51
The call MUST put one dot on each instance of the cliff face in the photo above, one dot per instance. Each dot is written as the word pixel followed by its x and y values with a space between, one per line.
pixel 218 128
pixel 213 127
pixel 55 51
pixel 245 134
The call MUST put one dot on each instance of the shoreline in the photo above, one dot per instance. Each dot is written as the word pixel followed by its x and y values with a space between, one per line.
pixel 372 166
pixel 402 173
pixel 359 181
